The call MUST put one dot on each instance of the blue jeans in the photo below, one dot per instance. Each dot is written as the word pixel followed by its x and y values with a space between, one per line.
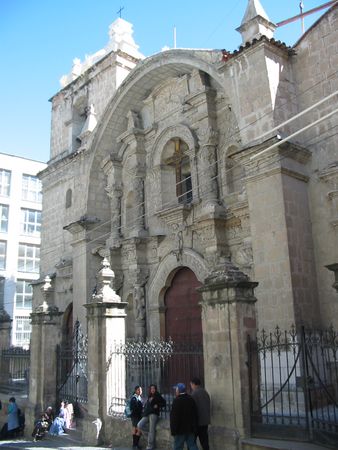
pixel 148 425
pixel 189 438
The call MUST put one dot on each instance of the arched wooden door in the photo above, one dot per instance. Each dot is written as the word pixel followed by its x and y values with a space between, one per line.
pixel 183 325
pixel 183 313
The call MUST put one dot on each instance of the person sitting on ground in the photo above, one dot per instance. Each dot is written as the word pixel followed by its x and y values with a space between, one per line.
pixel 58 424
pixel 43 424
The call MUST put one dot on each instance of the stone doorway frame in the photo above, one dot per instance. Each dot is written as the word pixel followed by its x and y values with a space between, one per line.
pixel 161 280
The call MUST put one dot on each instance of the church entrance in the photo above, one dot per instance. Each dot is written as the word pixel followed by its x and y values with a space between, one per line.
pixel 183 325
pixel 183 313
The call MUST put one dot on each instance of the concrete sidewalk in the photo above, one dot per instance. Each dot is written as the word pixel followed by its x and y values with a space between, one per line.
pixel 69 441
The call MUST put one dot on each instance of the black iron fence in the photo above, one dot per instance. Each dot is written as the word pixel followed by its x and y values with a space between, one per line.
pixel 159 362
pixel 294 385
pixel 14 370
pixel 16 363
pixel 72 368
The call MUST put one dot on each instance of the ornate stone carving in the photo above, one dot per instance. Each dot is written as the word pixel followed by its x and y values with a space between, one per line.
pixel 225 273
pixel 104 291
pixel 139 303
pixel 244 254
pixel 115 193
pixel 47 291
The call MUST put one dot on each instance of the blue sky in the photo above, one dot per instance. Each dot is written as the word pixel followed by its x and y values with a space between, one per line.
pixel 40 38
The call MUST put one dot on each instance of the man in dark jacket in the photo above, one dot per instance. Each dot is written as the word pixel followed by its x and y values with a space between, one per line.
pixel 202 400
pixel 151 412
pixel 183 419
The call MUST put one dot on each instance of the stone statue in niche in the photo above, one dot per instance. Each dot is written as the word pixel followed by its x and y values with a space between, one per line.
pixel 139 303
pixel 134 120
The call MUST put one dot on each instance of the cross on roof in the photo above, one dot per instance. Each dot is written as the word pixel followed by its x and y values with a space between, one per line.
pixel 120 11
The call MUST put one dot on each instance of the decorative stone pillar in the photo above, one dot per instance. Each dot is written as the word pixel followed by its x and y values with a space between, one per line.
pixel 228 317
pixel 46 334
pixel 115 193
pixel 137 224
pixel 106 325
pixel 139 312
pixel 334 269
pixel 208 159
pixel 5 342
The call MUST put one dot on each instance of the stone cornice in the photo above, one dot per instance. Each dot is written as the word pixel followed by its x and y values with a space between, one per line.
pixel 275 171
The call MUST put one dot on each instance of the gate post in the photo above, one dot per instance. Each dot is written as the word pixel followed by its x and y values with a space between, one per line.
pixel 46 334
pixel 228 317
pixel 106 325
pixel 5 342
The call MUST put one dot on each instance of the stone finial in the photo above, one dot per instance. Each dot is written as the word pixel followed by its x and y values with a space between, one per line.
pixel 120 38
pixel 255 23
pixel 226 273
pixel 104 292
pixel 46 289
pixel 47 286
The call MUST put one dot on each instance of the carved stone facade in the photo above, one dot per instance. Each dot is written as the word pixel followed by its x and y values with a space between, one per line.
pixel 184 170
pixel 177 183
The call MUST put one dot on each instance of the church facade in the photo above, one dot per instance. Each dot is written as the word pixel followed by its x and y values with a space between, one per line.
pixel 162 174
pixel 177 164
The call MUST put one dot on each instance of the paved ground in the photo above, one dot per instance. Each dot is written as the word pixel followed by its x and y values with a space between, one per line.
pixel 69 441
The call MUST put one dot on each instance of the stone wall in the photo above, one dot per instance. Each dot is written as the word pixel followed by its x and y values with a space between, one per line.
pixel 315 74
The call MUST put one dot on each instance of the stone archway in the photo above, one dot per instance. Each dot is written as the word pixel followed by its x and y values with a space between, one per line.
pixel 161 280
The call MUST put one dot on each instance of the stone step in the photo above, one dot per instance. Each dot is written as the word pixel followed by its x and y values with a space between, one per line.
pixel 270 444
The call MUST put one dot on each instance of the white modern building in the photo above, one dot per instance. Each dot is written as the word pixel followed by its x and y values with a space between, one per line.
pixel 20 223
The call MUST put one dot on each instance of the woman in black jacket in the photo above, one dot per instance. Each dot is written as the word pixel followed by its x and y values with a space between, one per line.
pixel 151 414
pixel 136 408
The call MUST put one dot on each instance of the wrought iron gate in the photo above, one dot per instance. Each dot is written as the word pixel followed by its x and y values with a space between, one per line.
pixel 72 381
pixel 294 385
pixel 142 363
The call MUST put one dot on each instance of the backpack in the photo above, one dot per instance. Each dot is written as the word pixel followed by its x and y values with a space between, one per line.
pixel 127 410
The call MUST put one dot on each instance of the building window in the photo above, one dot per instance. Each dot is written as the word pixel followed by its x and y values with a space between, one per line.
pixel 30 222
pixel 2 292
pixel 23 330
pixel 4 218
pixel 31 189
pixel 23 294
pixel 177 170
pixel 3 254
pixel 29 258
pixel 5 182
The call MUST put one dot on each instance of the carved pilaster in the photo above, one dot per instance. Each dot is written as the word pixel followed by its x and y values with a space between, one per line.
pixel 115 193
pixel 208 166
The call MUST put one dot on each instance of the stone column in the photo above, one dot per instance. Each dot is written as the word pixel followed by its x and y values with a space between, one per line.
pixel 46 334
pixel 5 342
pixel 209 184
pixel 137 223
pixel 106 325
pixel 228 317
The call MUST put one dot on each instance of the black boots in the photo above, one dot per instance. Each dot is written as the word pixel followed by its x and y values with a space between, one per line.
pixel 136 439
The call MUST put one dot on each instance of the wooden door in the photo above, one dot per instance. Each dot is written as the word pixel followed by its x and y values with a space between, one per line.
pixel 184 326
